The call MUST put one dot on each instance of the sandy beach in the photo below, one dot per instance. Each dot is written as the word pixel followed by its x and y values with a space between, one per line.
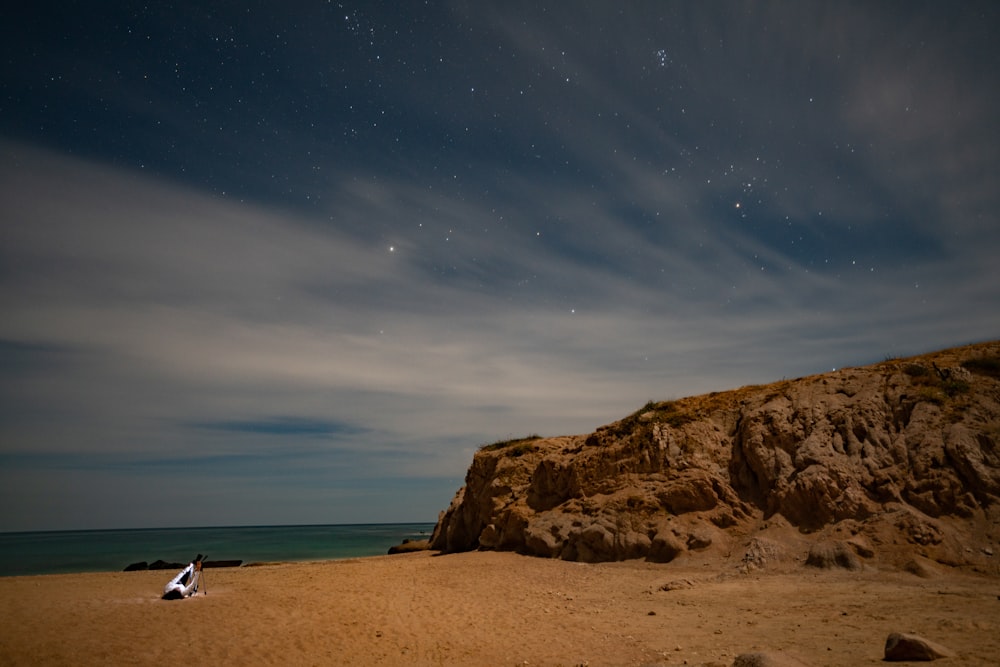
pixel 487 608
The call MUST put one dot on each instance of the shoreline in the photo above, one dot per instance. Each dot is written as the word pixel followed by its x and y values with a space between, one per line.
pixel 492 608
pixel 77 552
pixel 209 565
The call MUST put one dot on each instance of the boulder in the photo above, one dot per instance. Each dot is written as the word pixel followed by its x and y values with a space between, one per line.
pixel 409 546
pixel 903 647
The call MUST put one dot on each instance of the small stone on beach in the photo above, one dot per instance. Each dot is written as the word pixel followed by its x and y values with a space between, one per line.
pixel 903 647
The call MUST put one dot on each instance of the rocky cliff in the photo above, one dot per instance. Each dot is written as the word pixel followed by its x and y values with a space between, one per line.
pixel 897 462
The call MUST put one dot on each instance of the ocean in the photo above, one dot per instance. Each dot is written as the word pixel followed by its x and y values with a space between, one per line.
pixel 112 550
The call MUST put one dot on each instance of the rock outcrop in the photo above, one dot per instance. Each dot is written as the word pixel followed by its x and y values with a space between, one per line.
pixel 409 546
pixel 891 461
pixel 903 647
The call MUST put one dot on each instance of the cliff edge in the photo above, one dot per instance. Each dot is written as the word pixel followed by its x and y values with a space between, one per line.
pixel 895 463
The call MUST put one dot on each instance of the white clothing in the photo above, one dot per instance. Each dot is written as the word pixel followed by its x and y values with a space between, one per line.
pixel 184 584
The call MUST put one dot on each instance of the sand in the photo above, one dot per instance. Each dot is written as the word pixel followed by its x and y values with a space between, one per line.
pixel 487 608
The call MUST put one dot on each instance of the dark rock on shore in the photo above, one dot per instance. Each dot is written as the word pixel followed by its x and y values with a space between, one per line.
pixel 409 546
pixel 886 463
pixel 164 565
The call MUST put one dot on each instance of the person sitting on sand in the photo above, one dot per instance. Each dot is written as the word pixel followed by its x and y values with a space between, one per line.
pixel 185 584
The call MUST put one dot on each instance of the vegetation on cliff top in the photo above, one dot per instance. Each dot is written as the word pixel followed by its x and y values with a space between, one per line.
pixel 514 447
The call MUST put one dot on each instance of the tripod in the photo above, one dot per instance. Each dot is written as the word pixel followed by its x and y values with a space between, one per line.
pixel 201 579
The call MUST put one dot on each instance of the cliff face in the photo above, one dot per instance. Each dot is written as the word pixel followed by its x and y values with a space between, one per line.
pixel 898 461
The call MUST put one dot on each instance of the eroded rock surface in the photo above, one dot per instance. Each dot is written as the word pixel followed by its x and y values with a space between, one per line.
pixel 891 461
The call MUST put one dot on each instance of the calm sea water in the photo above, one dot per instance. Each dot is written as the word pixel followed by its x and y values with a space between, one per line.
pixel 113 550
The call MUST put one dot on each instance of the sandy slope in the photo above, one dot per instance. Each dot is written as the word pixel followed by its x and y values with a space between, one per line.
pixel 490 608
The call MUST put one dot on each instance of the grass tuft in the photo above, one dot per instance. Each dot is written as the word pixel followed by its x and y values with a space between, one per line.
pixel 514 447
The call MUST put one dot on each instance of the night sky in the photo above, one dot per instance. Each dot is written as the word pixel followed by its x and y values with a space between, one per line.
pixel 278 263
